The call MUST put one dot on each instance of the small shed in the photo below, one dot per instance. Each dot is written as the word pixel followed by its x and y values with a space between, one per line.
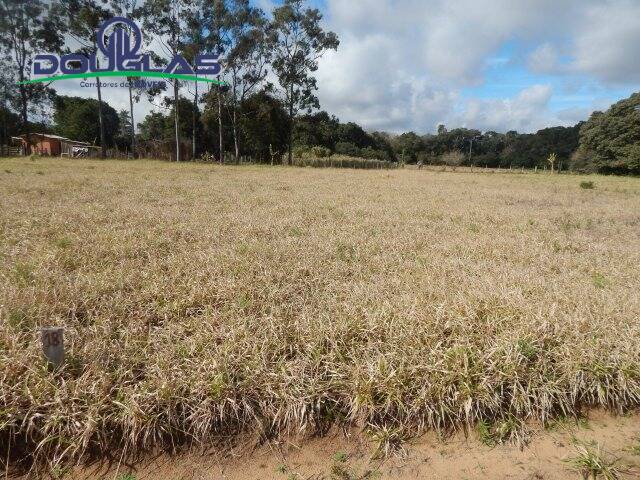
pixel 42 143
pixel 55 145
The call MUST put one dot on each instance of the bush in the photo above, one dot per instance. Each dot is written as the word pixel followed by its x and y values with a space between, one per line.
pixel 207 157
pixel 320 152
pixel 587 185
pixel 300 151
pixel 305 151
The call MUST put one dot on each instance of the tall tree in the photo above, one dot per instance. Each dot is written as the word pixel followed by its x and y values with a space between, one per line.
pixel 217 24
pixel 29 27
pixel 264 126
pixel 83 19
pixel 247 59
pixel 128 9
pixel 164 19
pixel 5 80
pixel 610 140
pixel 125 129
pixel 77 118
pixel 299 42
pixel 195 44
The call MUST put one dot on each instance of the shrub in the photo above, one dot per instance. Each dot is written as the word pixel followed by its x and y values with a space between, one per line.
pixel 207 157
pixel 320 152
pixel 299 151
pixel 587 185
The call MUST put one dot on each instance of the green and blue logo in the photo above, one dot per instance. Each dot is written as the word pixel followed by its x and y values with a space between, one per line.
pixel 120 39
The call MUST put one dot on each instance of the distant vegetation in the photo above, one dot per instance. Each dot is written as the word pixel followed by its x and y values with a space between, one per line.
pixel 610 141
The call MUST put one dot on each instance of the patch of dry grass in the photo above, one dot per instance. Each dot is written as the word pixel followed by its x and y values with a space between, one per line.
pixel 200 300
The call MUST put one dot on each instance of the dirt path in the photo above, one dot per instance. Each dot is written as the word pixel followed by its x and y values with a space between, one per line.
pixel 349 457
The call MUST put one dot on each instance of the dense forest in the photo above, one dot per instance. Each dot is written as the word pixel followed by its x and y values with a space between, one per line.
pixel 268 110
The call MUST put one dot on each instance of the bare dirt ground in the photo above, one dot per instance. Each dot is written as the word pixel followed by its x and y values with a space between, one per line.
pixel 348 456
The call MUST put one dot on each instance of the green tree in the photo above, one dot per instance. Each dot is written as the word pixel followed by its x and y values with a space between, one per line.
pixel 28 27
pixel 83 20
pixel 264 125
pixel 319 129
pixel 194 44
pixel 216 23
pixel 125 131
pixel 408 145
pixel 248 57
pixel 611 140
pixel 160 127
pixel 299 42
pixel 165 19
pixel 129 9
pixel 77 118
pixel 9 120
pixel 155 127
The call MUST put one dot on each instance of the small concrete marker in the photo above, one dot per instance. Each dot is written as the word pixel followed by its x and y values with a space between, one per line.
pixel 53 345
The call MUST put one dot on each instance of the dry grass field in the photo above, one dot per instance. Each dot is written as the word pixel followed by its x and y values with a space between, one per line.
pixel 201 300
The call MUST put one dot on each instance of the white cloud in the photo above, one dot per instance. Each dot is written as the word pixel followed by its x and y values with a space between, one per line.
pixel 378 91
pixel 544 59
pixel 403 64
pixel 527 111
pixel 607 42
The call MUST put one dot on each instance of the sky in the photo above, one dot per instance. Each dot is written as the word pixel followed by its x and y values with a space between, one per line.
pixel 487 64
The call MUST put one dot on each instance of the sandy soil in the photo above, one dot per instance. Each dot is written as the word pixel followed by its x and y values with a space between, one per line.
pixel 347 456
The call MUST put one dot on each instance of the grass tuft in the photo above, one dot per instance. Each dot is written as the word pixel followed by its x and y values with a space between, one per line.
pixel 591 461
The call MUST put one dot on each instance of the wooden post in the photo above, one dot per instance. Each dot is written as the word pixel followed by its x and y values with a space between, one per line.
pixel 53 345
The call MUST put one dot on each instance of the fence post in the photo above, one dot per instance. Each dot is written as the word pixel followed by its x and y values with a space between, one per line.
pixel 53 345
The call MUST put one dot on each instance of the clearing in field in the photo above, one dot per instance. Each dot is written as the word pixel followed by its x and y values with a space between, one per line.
pixel 201 300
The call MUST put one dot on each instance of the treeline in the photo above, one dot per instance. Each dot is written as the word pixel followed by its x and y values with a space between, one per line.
pixel 490 149
pixel 264 111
